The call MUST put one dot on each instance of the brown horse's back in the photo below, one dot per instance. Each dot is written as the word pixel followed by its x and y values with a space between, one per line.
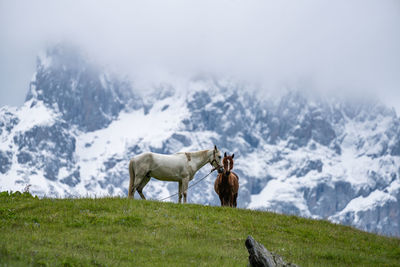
pixel 233 180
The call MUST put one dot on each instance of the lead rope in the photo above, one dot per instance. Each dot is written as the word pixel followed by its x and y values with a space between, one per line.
pixel 188 186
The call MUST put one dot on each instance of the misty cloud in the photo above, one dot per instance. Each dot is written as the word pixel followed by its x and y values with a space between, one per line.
pixel 330 45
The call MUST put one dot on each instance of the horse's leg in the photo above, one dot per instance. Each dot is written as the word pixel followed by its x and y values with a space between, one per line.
pixel 221 199
pixel 180 192
pixel 232 200
pixel 131 188
pixel 185 185
pixel 142 185
pixel 236 190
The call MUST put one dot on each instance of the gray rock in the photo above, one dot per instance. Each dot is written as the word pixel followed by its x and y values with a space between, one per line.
pixel 5 161
pixel 309 166
pixel 382 219
pixel 7 121
pixel 72 179
pixel 259 256
pixel 325 199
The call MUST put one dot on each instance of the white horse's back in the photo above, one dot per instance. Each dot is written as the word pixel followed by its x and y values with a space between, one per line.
pixel 170 167
pixel 162 166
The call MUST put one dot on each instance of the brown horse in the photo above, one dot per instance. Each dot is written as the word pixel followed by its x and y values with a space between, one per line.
pixel 227 183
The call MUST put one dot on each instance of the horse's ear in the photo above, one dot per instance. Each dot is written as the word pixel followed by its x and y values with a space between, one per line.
pixel 225 154
pixel 215 147
pixel 233 155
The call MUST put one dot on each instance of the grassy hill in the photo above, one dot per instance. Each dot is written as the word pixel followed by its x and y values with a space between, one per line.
pixel 122 232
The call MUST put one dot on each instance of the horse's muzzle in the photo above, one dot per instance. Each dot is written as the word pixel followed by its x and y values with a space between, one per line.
pixel 220 170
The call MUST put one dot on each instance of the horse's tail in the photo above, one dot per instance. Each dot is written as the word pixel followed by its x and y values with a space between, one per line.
pixel 131 189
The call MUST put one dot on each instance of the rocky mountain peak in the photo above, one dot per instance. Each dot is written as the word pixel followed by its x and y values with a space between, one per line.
pixel 85 95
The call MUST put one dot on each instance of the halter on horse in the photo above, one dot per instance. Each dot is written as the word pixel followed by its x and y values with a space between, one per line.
pixel 227 183
pixel 180 167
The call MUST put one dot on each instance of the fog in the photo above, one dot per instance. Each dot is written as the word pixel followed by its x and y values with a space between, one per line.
pixel 347 46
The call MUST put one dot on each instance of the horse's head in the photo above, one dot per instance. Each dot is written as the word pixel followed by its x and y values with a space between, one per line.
pixel 228 163
pixel 215 159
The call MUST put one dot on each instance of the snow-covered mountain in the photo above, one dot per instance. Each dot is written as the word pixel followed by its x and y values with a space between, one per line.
pixel 297 154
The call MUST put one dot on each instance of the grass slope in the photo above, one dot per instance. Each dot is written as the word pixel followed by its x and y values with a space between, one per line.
pixel 122 232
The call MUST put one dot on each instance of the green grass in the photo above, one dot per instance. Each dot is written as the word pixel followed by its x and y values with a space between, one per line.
pixel 122 232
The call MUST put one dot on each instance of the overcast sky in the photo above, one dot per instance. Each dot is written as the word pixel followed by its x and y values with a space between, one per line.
pixel 334 45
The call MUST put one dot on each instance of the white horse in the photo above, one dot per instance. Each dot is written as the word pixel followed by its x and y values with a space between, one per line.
pixel 180 167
